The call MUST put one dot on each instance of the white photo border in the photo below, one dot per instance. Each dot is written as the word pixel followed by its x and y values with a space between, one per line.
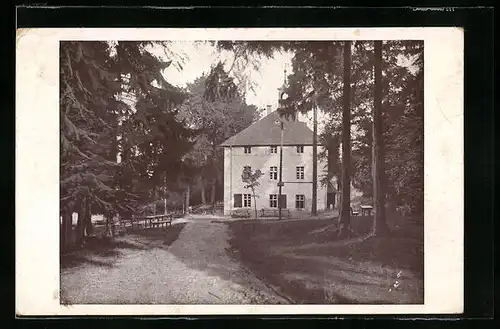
pixel 37 167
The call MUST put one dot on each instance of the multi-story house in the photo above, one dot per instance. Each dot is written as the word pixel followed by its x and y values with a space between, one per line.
pixel 258 147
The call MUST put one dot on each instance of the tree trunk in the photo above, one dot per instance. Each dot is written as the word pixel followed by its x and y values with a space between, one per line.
pixel 345 206
pixel 79 231
pixel 212 193
pixel 314 206
pixel 188 196
pixel 165 193
pixel 87 219
pixel 66 229
pixel 338 196
pixel 333 166
pixel 109 225
pixel 378 169
pixel 62 232
pixel 203 196
pixel 155 197
pixel 80 225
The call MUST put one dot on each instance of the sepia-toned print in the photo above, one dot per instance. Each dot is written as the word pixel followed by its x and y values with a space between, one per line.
pixel 236 172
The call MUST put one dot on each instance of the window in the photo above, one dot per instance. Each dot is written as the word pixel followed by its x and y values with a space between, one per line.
pixel 273 200
pixel 300 149
pixel 274 149
pixel 237 201
pixel 300 172
pixel 299 201
pixel 273 173
pixel 247 168
pixel 247 200
pixel 247 149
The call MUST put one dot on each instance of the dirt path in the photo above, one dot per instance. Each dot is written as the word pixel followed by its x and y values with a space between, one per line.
pixel 194 269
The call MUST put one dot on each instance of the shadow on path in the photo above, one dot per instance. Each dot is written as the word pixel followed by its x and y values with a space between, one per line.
pixel 204 246
pixel 104 251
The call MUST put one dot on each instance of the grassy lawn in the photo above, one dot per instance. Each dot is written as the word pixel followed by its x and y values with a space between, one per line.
pixel 310 265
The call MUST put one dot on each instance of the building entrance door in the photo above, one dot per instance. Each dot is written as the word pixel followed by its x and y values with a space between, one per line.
pixel 330 200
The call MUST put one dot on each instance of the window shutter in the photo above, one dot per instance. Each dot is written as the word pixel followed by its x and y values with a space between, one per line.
pixel 238 201
pixel 282 201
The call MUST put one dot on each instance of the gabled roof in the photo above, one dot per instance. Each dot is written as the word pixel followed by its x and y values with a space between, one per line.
pixel 267 132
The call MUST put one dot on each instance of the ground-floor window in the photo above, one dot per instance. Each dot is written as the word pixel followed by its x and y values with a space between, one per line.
pixel 300 201
pixel 273 200
pixel 247 200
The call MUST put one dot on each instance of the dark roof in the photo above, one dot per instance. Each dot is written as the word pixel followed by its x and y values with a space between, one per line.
pixel 267 131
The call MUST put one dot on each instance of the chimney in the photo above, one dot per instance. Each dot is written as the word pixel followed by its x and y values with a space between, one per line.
pixel 269 109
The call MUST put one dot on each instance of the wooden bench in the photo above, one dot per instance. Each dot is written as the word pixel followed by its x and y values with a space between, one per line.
pixel 241 213
pixel 161 221
pixel 122 226
pixel 158 221
pixel 274 212
pixel 145 222
pixel 125 223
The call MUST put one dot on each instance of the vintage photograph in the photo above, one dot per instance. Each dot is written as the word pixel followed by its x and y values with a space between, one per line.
pixel 241 172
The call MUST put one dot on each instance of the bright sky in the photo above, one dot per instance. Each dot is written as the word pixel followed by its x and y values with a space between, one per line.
pixel 197 58
pixel 200 57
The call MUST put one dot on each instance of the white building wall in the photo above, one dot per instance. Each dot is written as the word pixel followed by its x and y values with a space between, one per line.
pixel 262 158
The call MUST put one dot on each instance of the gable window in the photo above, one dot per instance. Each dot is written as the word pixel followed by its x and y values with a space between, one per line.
pixel 237 201
pixel 300 201
pixel 247 200
pixel 247 149
pixel 273 200
pixel 274 149
pixel 300 172
pixel 273 173
pixel 300 148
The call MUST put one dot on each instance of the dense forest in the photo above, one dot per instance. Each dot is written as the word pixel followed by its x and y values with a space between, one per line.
pixel 372 94
pixel 401 66
pixel 130 138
